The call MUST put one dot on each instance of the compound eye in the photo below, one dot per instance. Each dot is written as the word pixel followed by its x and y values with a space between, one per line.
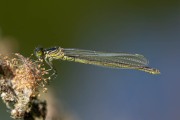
pixel 39 53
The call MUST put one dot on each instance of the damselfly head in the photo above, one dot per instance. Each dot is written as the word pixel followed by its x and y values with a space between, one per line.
pixel 39 52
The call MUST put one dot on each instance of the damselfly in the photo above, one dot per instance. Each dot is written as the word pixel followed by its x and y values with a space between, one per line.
pixel 111 60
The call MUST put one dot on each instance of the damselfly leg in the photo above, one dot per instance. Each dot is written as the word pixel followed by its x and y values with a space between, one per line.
pixel 52 68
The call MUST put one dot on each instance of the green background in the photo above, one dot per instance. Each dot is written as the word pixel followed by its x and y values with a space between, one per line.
pixel 146 27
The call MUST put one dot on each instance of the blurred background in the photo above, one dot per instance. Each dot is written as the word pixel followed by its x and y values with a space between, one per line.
pixel 86 92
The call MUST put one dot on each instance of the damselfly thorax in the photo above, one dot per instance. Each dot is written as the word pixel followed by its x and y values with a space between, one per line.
pixel 54 53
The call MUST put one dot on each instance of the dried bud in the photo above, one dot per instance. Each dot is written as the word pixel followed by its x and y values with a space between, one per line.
pixel 20 82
